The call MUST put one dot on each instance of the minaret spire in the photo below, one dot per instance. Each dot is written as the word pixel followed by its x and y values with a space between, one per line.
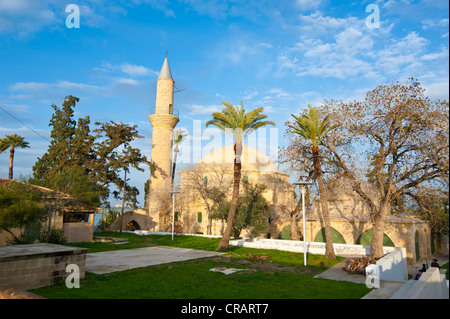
pixel 165 70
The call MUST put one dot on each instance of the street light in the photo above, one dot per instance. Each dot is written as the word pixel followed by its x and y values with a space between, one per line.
pixel 173 208
pixel 303 191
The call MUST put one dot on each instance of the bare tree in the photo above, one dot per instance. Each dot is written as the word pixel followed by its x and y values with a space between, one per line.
pixel 202 181
pixel 399 139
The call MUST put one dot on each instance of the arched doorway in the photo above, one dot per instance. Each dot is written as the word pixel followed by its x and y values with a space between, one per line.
pixel 337 237
pixel 366 238
pixel 133 225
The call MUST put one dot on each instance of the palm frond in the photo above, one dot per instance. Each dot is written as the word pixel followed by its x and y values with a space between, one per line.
pixel 309 125
pixel 236 122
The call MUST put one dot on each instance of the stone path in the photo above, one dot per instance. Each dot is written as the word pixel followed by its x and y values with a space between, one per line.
pixel 111 261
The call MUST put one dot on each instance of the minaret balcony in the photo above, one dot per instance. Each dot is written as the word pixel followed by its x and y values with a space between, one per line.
pixel 172 111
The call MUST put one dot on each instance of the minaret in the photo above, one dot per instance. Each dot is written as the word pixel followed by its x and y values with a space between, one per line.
pixel 163 122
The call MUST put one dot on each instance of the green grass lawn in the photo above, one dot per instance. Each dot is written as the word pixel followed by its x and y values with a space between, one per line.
pixel 281 276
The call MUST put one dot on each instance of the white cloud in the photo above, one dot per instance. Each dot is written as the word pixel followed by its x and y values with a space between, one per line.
pixel 128 81
pixel 131 70
pixel 432 23
pixel 161 5
pixel 20 18
pixel 437 90
pixel 28 86
pixel 202 109
pixel 281 94
pixel 318 24
pixel 13 6
pixel 344 48
pixel 136 70
pixel 250 95
pixel 308 4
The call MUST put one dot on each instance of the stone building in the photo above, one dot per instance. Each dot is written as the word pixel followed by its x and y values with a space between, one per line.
pixel 216 170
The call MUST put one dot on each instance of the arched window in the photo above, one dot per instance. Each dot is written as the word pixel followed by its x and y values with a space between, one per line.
pixel 337 237
pixel 205 180
pixel 199 217
pixel 366 239
pixel 285 233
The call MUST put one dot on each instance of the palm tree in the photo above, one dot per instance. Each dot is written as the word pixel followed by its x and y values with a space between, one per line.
pixel 309 126
pixel 239 124
pixel 178 137
pixel 12 141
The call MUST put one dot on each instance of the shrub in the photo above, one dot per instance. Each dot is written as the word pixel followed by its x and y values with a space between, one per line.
pixel 56 236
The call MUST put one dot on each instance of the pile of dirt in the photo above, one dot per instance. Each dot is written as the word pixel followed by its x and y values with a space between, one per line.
pixel 17 294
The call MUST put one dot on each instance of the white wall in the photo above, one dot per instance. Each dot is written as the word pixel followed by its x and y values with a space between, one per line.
pixel 394 265
pixel 311 247
pixel 431 285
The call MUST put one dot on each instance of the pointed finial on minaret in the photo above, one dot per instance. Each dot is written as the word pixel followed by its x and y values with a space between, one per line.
pixel 165 71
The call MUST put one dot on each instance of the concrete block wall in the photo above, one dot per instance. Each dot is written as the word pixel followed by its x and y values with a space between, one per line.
pixel 33 266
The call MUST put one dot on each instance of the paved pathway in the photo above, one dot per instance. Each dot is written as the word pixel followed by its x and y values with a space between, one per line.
pixel 111 261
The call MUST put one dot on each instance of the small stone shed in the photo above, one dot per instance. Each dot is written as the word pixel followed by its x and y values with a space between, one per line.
pixel 74 218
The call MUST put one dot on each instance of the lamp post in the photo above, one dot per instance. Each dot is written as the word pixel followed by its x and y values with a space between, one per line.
pixel 303 191
pixel 173 209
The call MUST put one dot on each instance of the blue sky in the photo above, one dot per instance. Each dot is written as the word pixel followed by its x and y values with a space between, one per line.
pixel 281 55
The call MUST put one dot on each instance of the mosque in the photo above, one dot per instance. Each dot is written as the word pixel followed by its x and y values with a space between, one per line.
pixel 191 210
pixel 350 221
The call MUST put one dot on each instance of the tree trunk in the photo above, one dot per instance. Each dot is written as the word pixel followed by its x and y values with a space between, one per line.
pixel 225 241
pixel 329 249
pixel 376 245
pixel 11 159
pixel 123 201
pixel 49 227
pixel 295 232
pixel 15 237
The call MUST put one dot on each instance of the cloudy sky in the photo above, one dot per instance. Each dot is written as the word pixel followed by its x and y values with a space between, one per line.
pixel 281 55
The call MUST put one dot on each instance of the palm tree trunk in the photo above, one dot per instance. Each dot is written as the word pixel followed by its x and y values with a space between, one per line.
pixel 11 159
pixel 329 249
pixel 225 241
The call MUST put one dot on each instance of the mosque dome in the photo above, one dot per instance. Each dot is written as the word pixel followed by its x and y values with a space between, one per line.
pixel 252 160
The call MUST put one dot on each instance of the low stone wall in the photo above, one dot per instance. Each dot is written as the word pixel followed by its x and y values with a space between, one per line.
pixel 311 247
pixel 431 285
pixel 37 265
